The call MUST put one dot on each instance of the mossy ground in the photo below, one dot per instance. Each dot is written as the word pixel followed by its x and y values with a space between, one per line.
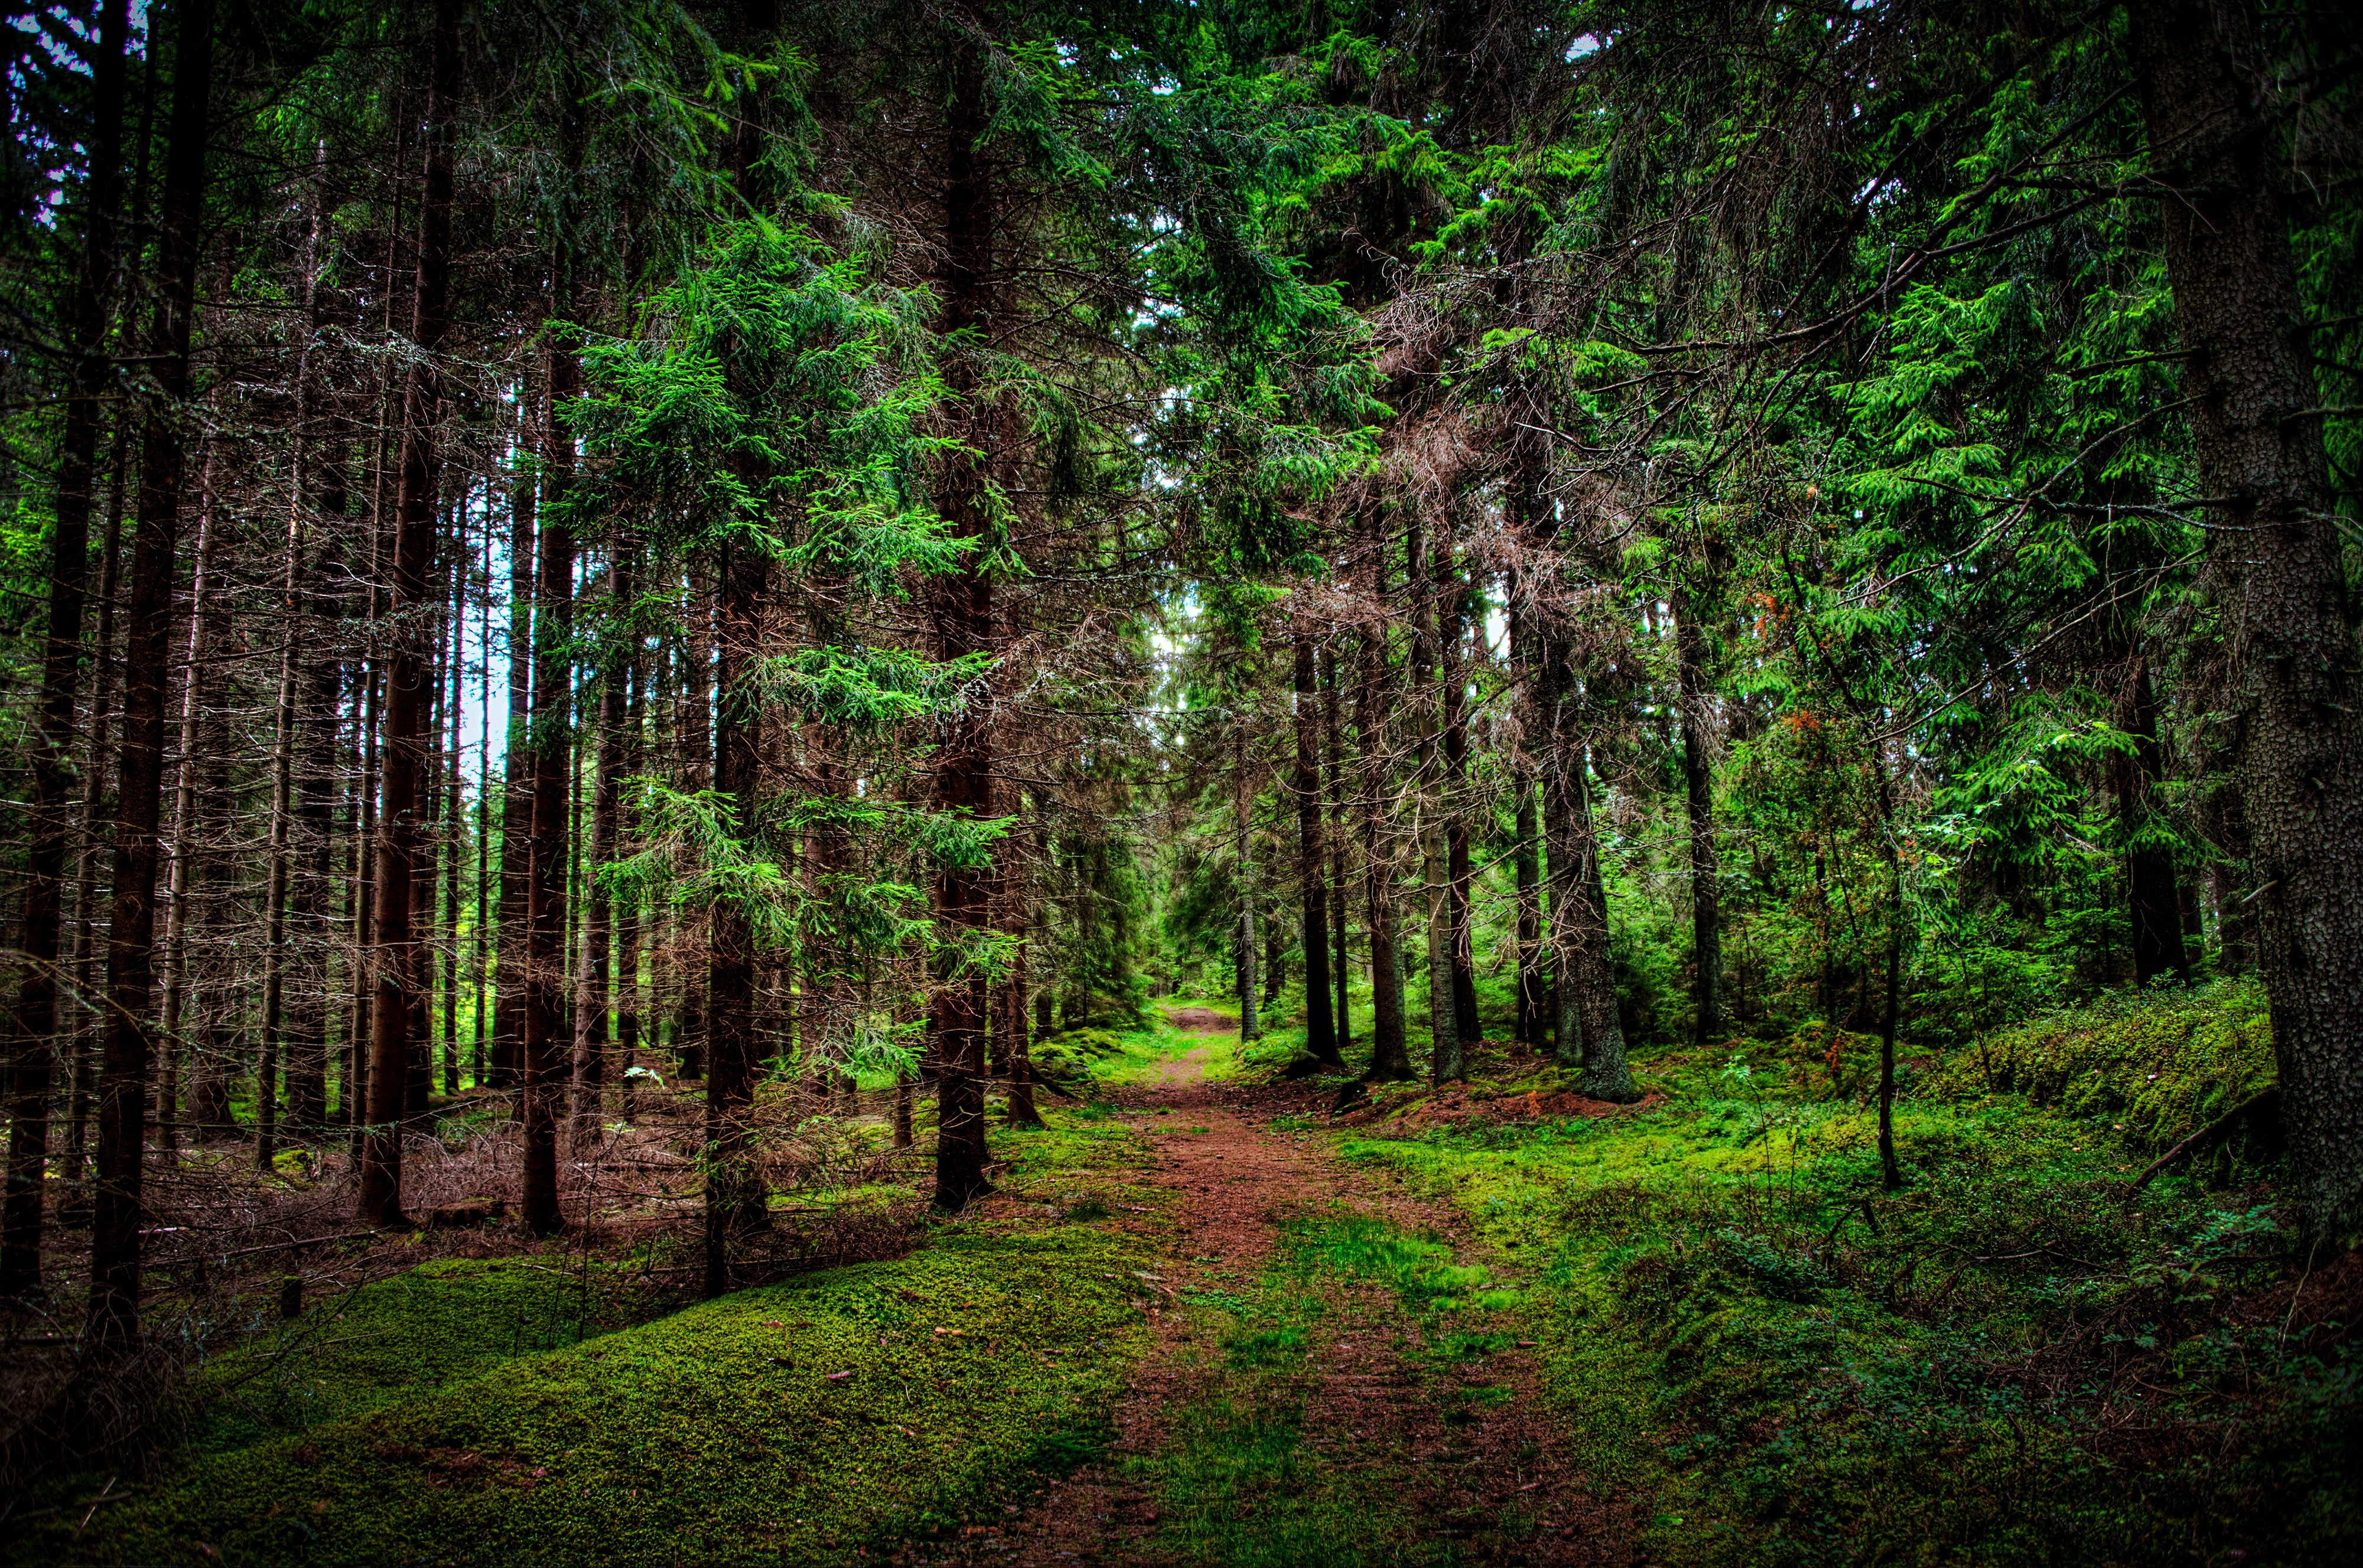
pixel 487 1412
pixel 1144 1054
pixel 2009 1360
pixel 1264 1468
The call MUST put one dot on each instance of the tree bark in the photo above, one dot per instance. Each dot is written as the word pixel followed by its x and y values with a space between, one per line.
pixel 1426 685
pixel 961 619
pixel 544 969
pixel 595 998
pixel 516 766
pixel 1698 799
pixel 1389 1048
pixel 1243 809
pixel 52 742
pixel 1312 870
pixel 1340 899
pixel 114 1320
pixel 400 965
pixel 2274 564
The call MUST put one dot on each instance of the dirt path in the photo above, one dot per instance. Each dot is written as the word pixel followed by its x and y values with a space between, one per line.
pixel 1459 1457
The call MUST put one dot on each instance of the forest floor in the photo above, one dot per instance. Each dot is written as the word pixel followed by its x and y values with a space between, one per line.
pixel 1209 1318
pixel 1300 1405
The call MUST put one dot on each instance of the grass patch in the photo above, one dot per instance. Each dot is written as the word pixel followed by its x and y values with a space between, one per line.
pixel 2004 1363
pixel 1245 1478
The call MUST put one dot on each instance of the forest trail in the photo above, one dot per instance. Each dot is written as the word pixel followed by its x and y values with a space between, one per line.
pixel 1291 1416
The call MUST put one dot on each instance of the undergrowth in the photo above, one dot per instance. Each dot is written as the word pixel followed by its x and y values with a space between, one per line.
pixel 2014 1359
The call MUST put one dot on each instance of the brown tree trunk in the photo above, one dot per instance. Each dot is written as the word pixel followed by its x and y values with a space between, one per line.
pixel 76 1172
pixel 2275 565
pixel 516 765
pixel 1340 899
pixel 1426 685
pixel 1389 1048
pixel 594 1000
pixel 50 821
pixel 1311 874
pixel 960 622
pixel 1453 619
pixel 401 967
pixel 544 969
pixel 1698 800
pixel 130 973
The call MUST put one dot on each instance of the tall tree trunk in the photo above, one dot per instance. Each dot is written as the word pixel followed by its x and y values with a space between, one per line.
pixel 1340 900
pixel 960 622
pixel 1453 610
pixel 180 858
pixel 593 1001
pixel 544 969
pixel 2275 565
pixel 400 970
pixel 1698 799
pixel 95 797
pixel 294 603
pixel 454 841
pixel 628 1006
pixel 480 1020
pixel 1426 688
pixel 51 815
pixel 1320 1028
pixel 1244 809
pixel 1389 1048
pixel 517 797
pixel 130 969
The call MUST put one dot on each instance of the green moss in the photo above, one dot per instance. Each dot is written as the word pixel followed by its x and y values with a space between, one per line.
pixel 439 1324
pixel 2004 1363
pixel 2164 1063
pixel 479 1413
pixel 1241 1480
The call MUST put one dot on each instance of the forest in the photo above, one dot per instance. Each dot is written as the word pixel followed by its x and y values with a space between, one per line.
pixel 1250 782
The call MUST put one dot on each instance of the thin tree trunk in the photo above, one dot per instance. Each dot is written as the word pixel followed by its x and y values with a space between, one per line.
pixel 455 827
pixel 516 765
pixel 593 1001
pixel 1340 898
pixel 2275 565
pixel 293 601
pixel 1453 612
pixel 1320 1025
pixel 1426 689
pixel 628 1009
pixel 182 852
pixel 400 965
pixel 86 1033
pixel 123 1074
pixel 1698 796
pixel 50 818
pixel 1244 809
pixel 544 970
pixel 1390 1049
